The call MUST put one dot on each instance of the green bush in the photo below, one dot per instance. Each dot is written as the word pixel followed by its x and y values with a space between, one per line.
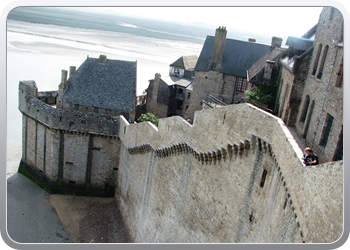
pixel 149 117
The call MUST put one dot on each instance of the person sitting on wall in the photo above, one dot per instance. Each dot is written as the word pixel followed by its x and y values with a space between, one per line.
pixel 309 157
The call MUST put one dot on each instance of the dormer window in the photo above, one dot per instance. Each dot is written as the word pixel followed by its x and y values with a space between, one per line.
pixel 176 72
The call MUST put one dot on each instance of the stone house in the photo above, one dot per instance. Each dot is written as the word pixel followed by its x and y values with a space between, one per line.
pixel 294 69
pixel 266 70
pixel 320 115
pixel 100 85
pixel 224 178
pixel 171 95
pixel 221 70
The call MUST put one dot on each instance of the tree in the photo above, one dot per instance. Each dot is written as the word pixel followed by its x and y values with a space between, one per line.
pixel 265 95
pixel 148 117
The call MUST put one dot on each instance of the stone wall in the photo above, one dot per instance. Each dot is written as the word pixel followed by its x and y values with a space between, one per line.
pixel 110 112
pixel 205 182
pixel 235 175
pixel 68 151
pixel 326 98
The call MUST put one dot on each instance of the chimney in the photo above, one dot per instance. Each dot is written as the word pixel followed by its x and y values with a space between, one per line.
pixel 276 41
pixel 218 49
pixel 64 77
pixel 268 69
pixel 61 88
pixel 102 59
pixel 72 70
pixel 252 40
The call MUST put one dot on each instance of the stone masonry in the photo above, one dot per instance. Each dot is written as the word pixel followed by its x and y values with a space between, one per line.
pixel 225 178
pixel 322 97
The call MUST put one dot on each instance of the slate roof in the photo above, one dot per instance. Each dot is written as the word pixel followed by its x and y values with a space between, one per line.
pixel 238 56
pixel 297 43
pixel 174 80
pixel 185 62
pixel 110 86
pixel 271 55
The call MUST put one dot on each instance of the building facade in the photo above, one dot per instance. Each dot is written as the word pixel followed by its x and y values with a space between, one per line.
pixel 320 114
pixel 171 95
pixel 221 70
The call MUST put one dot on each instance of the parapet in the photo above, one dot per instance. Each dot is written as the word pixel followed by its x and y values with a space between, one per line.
pixel 68 120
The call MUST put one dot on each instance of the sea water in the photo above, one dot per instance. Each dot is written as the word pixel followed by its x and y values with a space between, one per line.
pixel 40 51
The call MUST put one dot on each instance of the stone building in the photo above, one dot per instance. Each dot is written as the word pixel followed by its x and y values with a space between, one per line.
pixel 222 179
pixel 320 115
pixel 311 93
pixel 221 70
pixel 171 95
pixel 294 70
pixel 100 85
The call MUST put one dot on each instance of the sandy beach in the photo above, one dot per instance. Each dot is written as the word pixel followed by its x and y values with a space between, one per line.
pixel 39 52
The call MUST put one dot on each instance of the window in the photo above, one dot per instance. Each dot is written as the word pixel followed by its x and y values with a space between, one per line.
pixel 263 178
pixel 339 150
pixel 326 130
pixel 76 106
pixel 306 107
pixel 324 56
pixel 180 91
pixel 189 95
pixel 95 109
pixel 317 59
pixel 241 84
pixel 339 82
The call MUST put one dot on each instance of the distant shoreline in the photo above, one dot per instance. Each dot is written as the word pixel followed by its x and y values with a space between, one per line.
pixel 74 19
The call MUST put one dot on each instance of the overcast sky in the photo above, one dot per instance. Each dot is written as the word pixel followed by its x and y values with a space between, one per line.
pixel 280 21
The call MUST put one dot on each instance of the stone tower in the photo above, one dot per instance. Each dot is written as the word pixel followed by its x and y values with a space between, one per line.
pixel 62 87
pixel 217 53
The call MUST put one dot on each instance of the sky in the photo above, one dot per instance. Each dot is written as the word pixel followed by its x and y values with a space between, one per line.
pixel 279 21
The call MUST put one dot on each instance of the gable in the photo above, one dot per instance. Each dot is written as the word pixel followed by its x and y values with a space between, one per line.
pixel 238 56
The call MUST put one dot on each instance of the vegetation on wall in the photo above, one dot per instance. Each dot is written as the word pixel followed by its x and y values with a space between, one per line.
pixel 264 95
pixel 148 117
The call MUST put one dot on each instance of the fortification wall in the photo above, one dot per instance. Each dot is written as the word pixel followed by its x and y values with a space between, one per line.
pixel 203 182
pixel 68 151
pixel 235 175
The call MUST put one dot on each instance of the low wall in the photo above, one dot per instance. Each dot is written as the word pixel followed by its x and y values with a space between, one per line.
pixel 202 182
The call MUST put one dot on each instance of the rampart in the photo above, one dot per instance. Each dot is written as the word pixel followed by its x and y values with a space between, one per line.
pixel 235 175
pixel 67 151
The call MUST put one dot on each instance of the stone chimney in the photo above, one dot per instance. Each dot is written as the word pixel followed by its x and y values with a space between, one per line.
pixel 63 77
pixel 72 70
pixel 157 77
pixel 218 49
pixel 276 42
pixel 151 104
pixel 268 69
pixel 102 59
pixel 62 87
pixel 252 40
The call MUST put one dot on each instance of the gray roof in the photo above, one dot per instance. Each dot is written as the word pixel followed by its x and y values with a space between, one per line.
pixel 174 80
pixel 110 86
pixel 185 62
pixel 238 56
pixel 297 43
pixel 272 55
